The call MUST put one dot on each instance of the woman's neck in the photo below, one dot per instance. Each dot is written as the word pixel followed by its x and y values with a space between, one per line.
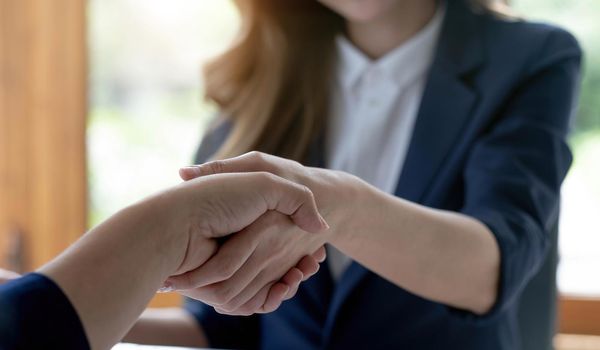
pixel 382 35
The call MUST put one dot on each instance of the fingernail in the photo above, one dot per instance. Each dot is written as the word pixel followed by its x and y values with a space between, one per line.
pixel 193 170
pixel 166 288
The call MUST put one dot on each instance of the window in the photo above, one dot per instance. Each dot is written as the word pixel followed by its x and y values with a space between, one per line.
pixel 146 114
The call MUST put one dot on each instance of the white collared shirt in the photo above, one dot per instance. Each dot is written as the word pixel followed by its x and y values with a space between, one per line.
pixel 375 106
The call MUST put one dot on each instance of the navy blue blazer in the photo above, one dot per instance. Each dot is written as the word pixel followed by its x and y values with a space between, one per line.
pixel 36 314
pixel 489 142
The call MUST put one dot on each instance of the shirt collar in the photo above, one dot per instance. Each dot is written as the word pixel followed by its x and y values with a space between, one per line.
pixel 401 65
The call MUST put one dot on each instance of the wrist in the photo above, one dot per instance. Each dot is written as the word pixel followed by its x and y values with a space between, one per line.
pixel 345 205
pixel 164 221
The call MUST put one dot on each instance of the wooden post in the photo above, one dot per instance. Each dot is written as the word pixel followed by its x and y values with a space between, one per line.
pixel 43 94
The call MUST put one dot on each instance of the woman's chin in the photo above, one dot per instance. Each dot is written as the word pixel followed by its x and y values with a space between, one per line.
pixel 360 12
pixel 362 18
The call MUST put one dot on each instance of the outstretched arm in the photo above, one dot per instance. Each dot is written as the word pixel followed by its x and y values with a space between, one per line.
pixel 112 272
pixel 444 256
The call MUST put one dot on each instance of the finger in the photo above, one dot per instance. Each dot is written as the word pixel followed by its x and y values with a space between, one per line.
pixel 253 300
pixel 189 173
pixel 248 239
pixel 281 194
pixel 308 266
pixel 271 293
pixel 225 292
pixel 320 255
pixel 293 279
pixel 199 251
pixel 223 265
pixel 276 296
pixel 292 199
pixel 256 285
pixel 246 163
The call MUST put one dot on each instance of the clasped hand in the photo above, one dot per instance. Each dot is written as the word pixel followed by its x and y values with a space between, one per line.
pixel 262 265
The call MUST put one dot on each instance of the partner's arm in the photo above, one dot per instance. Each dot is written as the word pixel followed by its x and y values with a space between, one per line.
pixel 443 256
pixel 113 271
pixel 440 255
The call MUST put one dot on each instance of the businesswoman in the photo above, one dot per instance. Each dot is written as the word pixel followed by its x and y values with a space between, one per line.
pixel 444 126
pixel 91 295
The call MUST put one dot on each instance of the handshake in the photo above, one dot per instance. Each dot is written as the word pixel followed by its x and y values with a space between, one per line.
pixel 239 234
pixel 254 233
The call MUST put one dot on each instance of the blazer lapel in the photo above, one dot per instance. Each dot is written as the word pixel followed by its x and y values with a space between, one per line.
pixel 447 103
pixel 443 114
pixel 446 106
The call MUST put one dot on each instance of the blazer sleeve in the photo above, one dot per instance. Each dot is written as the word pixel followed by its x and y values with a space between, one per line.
pixel 36 314
pixel 222 331
pixel 514 172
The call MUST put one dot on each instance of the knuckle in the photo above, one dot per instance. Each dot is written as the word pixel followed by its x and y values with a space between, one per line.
pixel 253 154
pixel 296 164
pixel 216 166
pixel 264 161
pixel 266 177
pixel 257 156
pixel 306 191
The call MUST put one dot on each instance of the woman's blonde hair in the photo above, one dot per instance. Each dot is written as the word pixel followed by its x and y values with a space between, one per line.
pixel 274 82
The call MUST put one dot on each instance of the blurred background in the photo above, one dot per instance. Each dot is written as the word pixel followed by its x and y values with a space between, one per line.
pixel 145 117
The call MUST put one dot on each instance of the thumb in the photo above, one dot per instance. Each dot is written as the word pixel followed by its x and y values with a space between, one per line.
pixel 295 200
pixel 189 173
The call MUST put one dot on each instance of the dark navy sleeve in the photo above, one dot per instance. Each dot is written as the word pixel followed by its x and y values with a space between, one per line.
pixel 36 314
pixel 222 331
pixel 514 173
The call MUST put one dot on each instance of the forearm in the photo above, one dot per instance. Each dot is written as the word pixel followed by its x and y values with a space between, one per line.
pixel 171 326
pixel 111 273
pixel 439 255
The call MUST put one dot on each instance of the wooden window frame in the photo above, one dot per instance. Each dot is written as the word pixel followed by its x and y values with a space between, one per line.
pixel 43 114
pixel 43 108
